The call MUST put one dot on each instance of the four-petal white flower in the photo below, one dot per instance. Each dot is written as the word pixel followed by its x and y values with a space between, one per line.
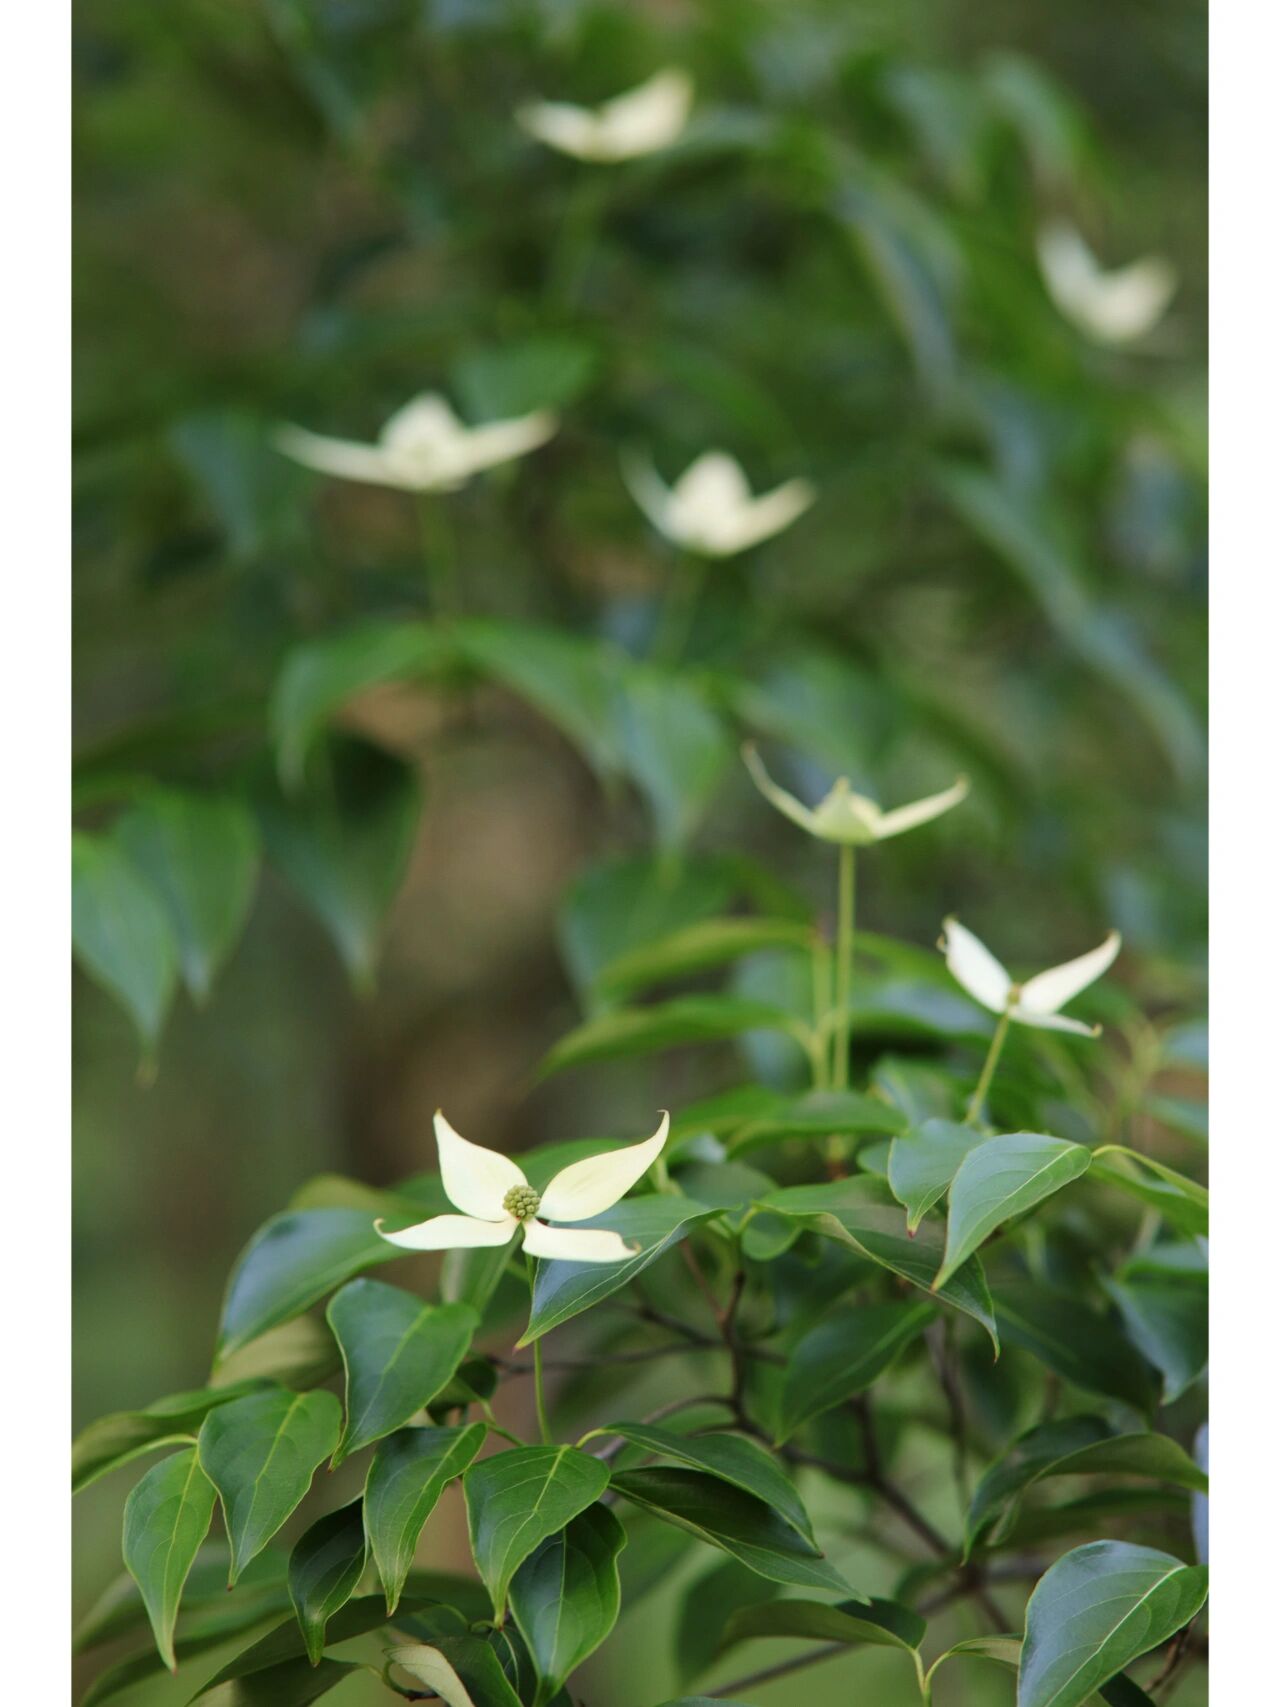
pixel 843 816
pixel 1036 1002
pixel 424 447
pixel 1110 307
pixel 497 1200
pixel 643 121
pixel 710 510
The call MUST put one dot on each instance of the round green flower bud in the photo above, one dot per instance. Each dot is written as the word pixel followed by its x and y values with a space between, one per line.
pixel 522 1201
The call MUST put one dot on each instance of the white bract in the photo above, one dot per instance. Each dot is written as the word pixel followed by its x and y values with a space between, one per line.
pixel 1110 307
pixel 424 447
pixel 1036 1002
pixel 843 816
pixel 710 510
pixel 497 1200
pixel 643 121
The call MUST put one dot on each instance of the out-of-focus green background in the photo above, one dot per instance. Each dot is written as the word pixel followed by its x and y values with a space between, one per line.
pixel 312 209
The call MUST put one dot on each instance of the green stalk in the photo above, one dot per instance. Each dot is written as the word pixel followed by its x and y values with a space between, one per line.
pixel 988 1070
pixel 844 964
pixel 820 1049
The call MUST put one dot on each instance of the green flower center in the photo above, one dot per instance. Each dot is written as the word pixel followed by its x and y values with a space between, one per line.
pixel 522 1201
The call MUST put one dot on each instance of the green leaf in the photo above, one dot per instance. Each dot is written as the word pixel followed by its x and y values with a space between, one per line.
pixel 324 1571
pixel 862 1213
pixel 294 1683
pixel 121 935
pixel 547 371
pixel 280 1657
pixel 698 948
pixel 260 1453
pixel 1099 1607
pixel 923 1163
pixel 818 1114
pixel 1166 1315
pixel 118 1439
pixel 843 1355
pixel 614 908
pixel 290 1263
pixel 736 1522
pixel 1072 1340
pixel 1000 1179
pixel 566 1595
pixel 463 1671
pixel 398 1352
pixel 200 855
pixel 298 1353
pixel 562 1290
pixel 676 748
pixel 664 1025
pixel 344 843
pixel 1074 1446
pixel 320 676
pixel 166 1519
pixel 409 1472
pixel 706 1606
pixel 1002 1650
pixel 880 1623
pixel 1179 1199
pixel 517 1499
pixel 121 1611
pixel 731 1458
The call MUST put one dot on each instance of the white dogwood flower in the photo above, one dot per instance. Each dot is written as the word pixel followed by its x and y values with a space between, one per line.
pixel 842 815
pixel 497 1200
pixel 1110 307
pixel 710 510
pixel 424 447
pixel 643 121
pixel 1036 1002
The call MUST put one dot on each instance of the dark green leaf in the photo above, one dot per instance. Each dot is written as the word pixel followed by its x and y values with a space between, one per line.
pixel 517 1499
pixel 881 1623
pixel 1072 1340
pixel 697 948
pixel 294 1683
pixel 923 1163
pixel 1000 1179
pixel 1179 1199
pixel 324 1571
pixel 115 1440
pixel 665 1025
pixel 121 934
pixel 818 1114
pixel 120 1610
pixel 730 1457
pixel 281 1654
pixel 566 1595
pixel 1166 1315
pixel 843 1355
pixel 260 1453
pixel 409 1472
pixel 166 1519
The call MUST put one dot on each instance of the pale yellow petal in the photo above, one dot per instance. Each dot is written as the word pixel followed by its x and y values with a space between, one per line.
pixel 475 1179
pixel 585 1188
pixel 769 514
pixel 974 967
pixel 1051 1022
pixel 786 803
pixel 340 457
pixel 920 811
pixel 502 441
pixel 575 1244
pixel 1048 991
pixel 449 1233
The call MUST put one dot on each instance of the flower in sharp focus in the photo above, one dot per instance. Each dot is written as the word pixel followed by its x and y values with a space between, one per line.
pixel 643 121
pixel 842 815
pixel 1110 307
pixel 497 1200
pixel 424 447
pixel 1036 1002
pixel 710 510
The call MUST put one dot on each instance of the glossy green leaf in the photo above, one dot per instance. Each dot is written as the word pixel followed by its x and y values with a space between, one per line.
pixel 199 853
pixel 726 1517
pixel 698 948
pixel 118 1439
pixel 673 1024
pixel 409 1472
pixel 843 1355
pixel 291 1262
pixel 1179 1199
pixel 1073 1340
pixel 463 1671
pixel 166 1519
pixel 121 934
pixel 517 1499
pixel 863 1214
pixel 923 1163
pixel 1001 1650
pixel 566 1595
pixel 260 1453
pixel 1002 1178
pixel 879 1623
pixel 324 1571
pixel 344 843
pixel 398 1352
pixel 1095 1610
pixel 730 1457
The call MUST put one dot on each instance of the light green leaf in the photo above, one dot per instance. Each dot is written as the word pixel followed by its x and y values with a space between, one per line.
pixel 199 853
pixel 293 1683
pixel 517 1499
pixel 923 1163
pixel 298 1353
pixel 566 1595
pixel 1002 1650
pixel 166 1519
pixel 398 1352
pixel 1000 1179
pixel 463 1671
pixel 409 1472
pixel 121 934
pixel 1099 1607
pixel 1179 1199
pixel 260 1453
pixel 880 1623
pixel 665 1025
pixel 121 1611
pixel 324 1571
pixel 698 948
pixel 125 1435
pixel 843 1355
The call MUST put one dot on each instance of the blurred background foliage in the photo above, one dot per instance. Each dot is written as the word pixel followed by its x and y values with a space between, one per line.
pixel 418 831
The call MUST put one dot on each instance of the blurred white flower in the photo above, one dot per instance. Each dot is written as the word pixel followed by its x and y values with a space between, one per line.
pixel 843 816
pixel 642 121
pixel 710 509
pixel 497 1200
pixel 424 447
pixel 1110 307
pixel 1037 1001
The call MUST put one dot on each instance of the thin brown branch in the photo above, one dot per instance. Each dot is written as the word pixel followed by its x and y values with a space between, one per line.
pixel 783 1668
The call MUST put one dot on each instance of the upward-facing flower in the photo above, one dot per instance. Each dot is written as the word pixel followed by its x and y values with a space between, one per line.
pixel 1036 1002
pixel 1110 307
pixel 642 121
pixel 497 1200
pixel 424 447
pixel 710 510
pixel 842 815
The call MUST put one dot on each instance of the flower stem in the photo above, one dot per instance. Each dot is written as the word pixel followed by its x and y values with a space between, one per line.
pixel 988 1071
pixel 819 1053
pixel 844 964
